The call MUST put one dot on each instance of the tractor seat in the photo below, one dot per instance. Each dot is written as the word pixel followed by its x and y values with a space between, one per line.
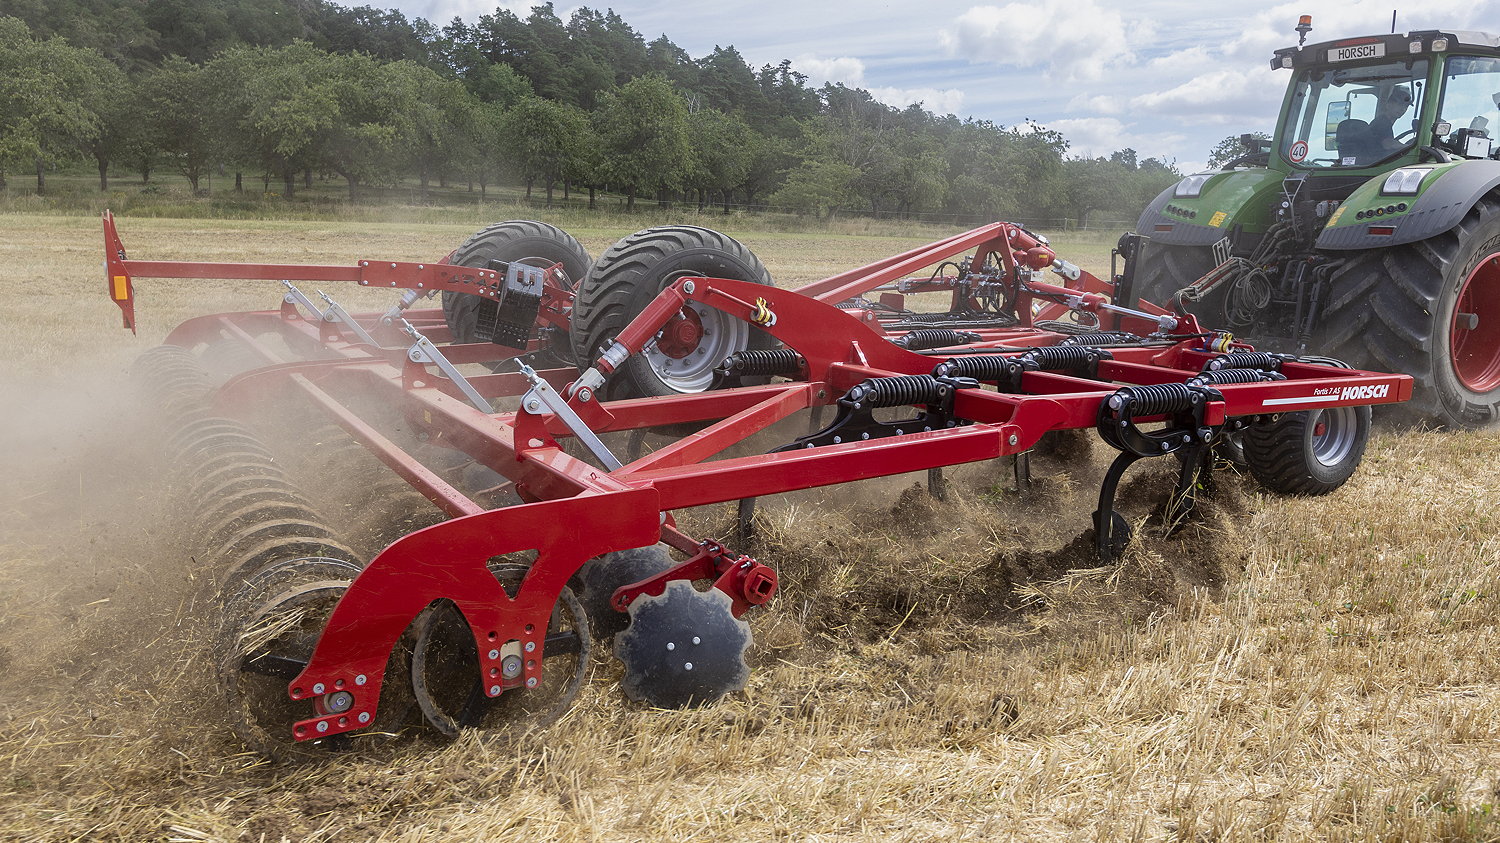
pixel 1354 141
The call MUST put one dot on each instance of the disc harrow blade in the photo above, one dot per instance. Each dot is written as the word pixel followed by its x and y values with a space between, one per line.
pixel 683 647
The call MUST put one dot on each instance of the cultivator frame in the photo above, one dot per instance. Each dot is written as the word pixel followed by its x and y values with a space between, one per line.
pixel 987 379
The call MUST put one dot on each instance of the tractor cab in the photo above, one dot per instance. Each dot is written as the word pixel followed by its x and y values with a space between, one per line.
pixel 1339 234
pixel 1355 110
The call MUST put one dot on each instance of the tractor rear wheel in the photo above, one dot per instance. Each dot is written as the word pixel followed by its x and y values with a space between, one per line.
pixel 630 274
pixel 529 242
pixel 1162 270
pixel 1430 309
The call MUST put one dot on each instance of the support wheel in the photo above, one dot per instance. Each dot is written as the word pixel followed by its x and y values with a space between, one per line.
pixel 472 318
pixel 1308 453
pixel 445 667
pixel 683 648
pixel 1430 309
pixel 682 358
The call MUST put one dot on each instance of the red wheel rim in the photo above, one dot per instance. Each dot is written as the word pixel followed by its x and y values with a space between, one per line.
pixel 1474 333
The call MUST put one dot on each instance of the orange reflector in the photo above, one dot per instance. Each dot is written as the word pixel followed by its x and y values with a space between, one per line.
pixel 120 287
pixel 1382 230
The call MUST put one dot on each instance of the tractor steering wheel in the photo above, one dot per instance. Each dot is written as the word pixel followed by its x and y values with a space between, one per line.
pixel 1409 133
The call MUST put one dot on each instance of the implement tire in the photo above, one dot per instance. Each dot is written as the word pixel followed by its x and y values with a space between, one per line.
pixel 1308 453
pixel 527 241
pixel 1429 309
pixel 630 274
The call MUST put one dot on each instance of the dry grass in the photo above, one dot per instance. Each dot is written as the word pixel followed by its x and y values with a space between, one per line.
pixel 1302 669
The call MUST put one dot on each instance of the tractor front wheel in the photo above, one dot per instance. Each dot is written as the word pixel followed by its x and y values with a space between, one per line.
pixel 683 356
pixel 1430 309
pixel 1161 270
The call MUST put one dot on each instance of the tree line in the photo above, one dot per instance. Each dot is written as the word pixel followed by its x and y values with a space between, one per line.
pixel 280 90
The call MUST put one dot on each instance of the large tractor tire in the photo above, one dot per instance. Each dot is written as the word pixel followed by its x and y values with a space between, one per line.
pixel 1430 309
pixel 526 241
pixel 1162 270
pixel 630 274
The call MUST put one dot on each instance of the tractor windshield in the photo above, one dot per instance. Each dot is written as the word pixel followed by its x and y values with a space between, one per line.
pixel 1354 116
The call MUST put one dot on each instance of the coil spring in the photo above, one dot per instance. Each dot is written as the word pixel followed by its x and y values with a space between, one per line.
pixel 1153 399
pixel 1103 338
pixel 1065 356
pixel 981 367
pixel 1245 360
pixel 757 362
pixel 935 338
pixel 1223 376
pixel 896 391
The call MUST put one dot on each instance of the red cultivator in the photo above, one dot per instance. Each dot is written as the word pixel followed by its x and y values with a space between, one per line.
pixel 540 359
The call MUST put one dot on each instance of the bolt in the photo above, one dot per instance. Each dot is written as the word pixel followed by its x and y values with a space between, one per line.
pixel 671 646
pixel 360 679
pixel 688 287
pixel 697 640
pixel 323 726
pixel 585 395
pixel 318 688
pixel 364 717
pixel 532 405
pixel 1166 445
pixel 494 654
pixel 687 666
pixel 1013 440
pixel 494 690
pixel 393 266
pixel 531 683
pixel 530 646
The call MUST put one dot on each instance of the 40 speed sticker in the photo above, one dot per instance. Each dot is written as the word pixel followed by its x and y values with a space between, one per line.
pixel 1298 152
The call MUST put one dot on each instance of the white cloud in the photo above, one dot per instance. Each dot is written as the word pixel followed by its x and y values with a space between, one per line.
pixel 1216 98
pixel 846 69
pixel 1076 39
pixel 946 101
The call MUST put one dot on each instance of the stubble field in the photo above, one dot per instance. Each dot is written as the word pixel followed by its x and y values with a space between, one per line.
pixel 1285 669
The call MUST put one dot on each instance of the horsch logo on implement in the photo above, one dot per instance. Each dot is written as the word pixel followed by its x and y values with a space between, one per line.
pixel 1361 393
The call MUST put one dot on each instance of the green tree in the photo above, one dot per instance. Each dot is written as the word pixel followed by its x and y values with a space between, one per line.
pixel 723 150
pixel 818 187
pixel 51 96
pixel 1229 149
pixel 542 141
pixel 179 102
pixel 643 128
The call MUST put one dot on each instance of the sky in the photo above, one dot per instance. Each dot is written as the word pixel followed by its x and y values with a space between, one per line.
pixel 1167 78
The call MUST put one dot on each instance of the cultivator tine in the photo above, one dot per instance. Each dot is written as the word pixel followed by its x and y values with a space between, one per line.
pixel 937 485
pixel 744 522
pixel 423 351
pixel 1022 469
pixel 338 315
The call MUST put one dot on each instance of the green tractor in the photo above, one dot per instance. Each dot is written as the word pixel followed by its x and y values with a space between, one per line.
pixel 1367 229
